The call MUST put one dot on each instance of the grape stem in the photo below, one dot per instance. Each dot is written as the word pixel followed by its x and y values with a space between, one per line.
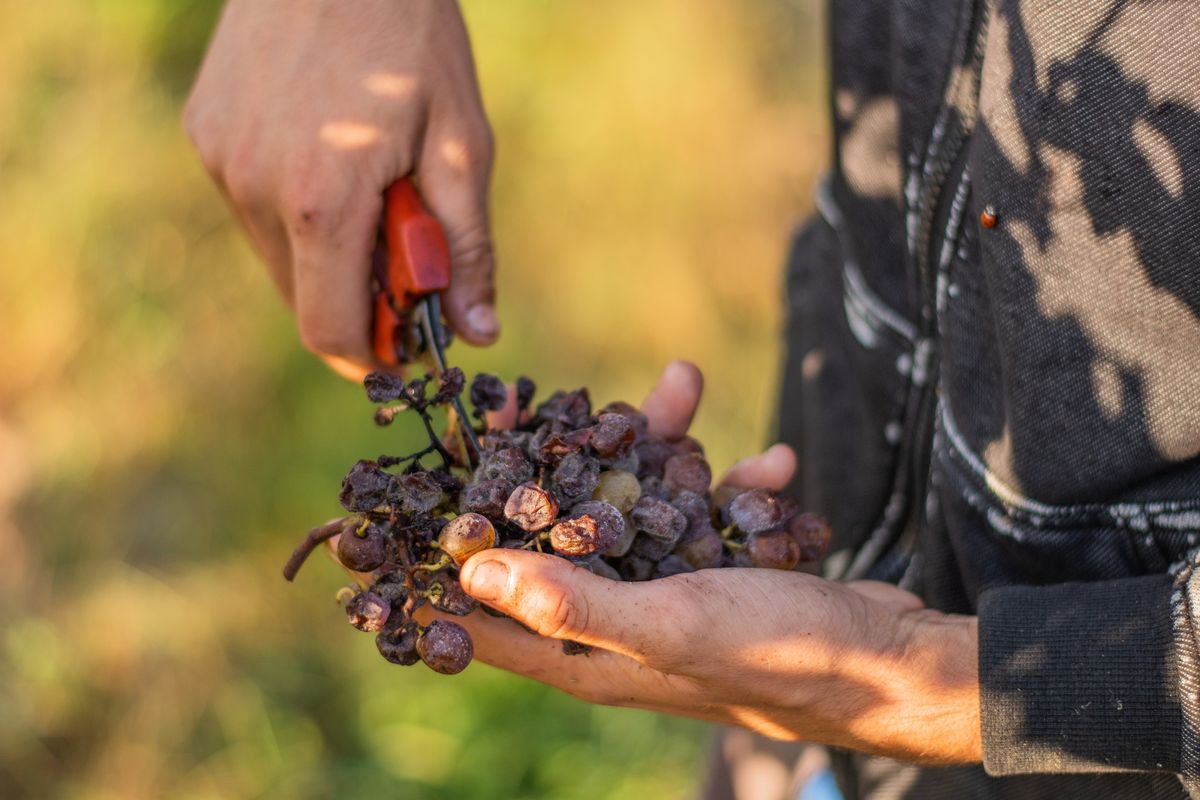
pixel 310 543
pixel 441 563
pixel 395 461
pixel 435 441
pixel 410 400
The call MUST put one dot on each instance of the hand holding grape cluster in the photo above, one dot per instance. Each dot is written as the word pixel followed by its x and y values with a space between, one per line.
pixel 597 489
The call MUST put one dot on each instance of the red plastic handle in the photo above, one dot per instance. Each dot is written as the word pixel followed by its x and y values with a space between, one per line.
pixel 418 256
pixel 418 262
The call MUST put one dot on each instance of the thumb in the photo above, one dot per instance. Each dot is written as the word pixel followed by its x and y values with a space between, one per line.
pixel 454 171
pixel 558 599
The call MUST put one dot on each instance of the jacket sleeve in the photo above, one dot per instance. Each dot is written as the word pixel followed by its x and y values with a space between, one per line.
pixel 1093 677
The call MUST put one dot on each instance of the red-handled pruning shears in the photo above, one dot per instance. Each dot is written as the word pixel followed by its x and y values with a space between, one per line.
pixel 408 312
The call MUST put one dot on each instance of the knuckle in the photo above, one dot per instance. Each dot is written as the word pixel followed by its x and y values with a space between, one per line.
pixel 243 183
pixel 563 615
pixel 482 145
pixel 209 153
pixel 211 160
pixel 472 248
pixel 309 204
pixel 245 173
pixel 463 153
pixel 202 141
pixel 672 648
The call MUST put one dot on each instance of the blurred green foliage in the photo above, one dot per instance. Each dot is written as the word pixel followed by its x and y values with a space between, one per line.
pixel 164 440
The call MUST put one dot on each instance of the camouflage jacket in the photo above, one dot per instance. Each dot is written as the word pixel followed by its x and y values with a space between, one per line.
pixel 994 371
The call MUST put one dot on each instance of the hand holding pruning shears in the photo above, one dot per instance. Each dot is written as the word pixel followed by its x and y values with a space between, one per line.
pixel 305 111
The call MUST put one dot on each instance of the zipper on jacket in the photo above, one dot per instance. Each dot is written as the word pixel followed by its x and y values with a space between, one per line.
pixel 946 200
pixel 947 219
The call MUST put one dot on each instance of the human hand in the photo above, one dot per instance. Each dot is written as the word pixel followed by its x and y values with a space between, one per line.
pixel 858 665
pixel 304 112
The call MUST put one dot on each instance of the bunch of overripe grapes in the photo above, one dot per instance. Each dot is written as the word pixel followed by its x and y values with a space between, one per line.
pixel 595 488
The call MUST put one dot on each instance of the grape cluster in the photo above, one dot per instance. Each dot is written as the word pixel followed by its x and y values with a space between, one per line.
pixel 594 487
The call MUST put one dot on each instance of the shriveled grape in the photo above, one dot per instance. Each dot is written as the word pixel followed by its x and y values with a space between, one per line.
pixel 612 435
pixel 658 519
pixel 365 551
pixel 531 508
pixel 450 385
pixel 575 477
pixel 703 552
pixel 621 546
pixel 488 393
pixel 398 643
pixel 641 424
pixel 593 527
pixel 694 508
pixel 687 473
pixel 364 487
pixel 416 494
pixel 568 410
pixel 754 511
pixel 812 533
pixel 446 594
pixel 653 487
pixel 508 464
pixel 383 387
pixel 773 550
pixel 556 446
pixel 487 498
pixel 652 454
pixel 722 498
pixel 368 612
pixel 445 647
pixel 391 588
pixel 525 391
pixel 652 547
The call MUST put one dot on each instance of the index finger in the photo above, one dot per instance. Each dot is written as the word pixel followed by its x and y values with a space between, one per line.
pixel 560 600
pixel 332 239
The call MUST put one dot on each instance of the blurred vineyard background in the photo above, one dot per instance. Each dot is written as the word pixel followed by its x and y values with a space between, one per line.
pixel 164 439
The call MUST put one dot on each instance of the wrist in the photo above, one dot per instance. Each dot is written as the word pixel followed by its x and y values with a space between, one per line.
pixel 926 687
pixel 942 656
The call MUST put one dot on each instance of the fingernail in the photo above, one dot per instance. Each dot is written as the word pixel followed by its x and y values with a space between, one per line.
pixel 487 581
pixel 482 320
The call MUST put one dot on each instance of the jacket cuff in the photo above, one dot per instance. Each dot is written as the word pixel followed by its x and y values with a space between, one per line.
pixel 1079 677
